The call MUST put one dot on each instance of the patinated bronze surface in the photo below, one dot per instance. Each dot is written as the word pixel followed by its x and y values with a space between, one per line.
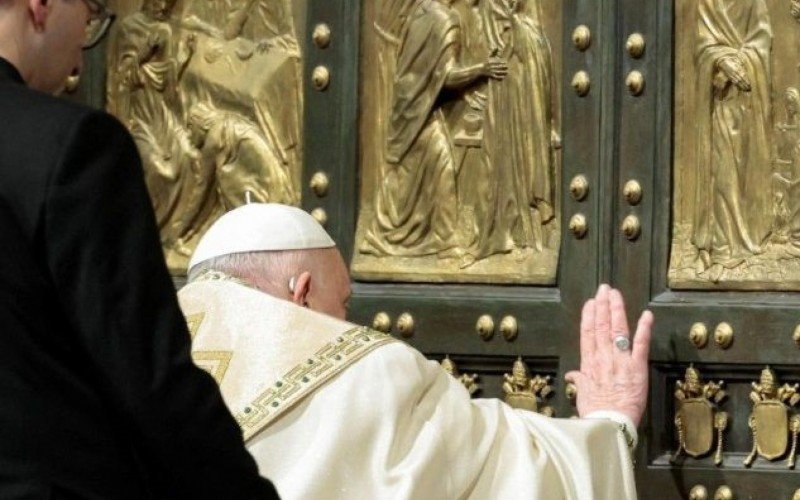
pixel 525 391
pixel 771 422
pixel 211 91
pixel 698 419
pixel 460 141
pixel 737 167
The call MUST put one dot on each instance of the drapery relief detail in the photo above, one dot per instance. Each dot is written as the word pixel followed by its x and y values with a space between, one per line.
pixel 211 91
pixel 460 141
pixel 737 200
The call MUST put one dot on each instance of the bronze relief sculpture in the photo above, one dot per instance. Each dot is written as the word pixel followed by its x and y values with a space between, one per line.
pixel 211 91
pixel 460 178
pixel 699 421
pixel 469 381
pixel 772 422
pixel 736 221
pixel 527 392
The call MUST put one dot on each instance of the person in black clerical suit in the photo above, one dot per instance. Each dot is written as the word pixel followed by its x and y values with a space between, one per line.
pixel 99 398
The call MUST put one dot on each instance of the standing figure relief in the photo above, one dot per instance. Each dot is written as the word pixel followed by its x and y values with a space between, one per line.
pixel 733 150
pixel 417 204
pixel 520 137
pixel 143 94
pixel 737 129
pixel 467 156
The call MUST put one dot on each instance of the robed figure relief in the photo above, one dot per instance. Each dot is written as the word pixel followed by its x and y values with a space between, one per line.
pixel 416 205
pixel 149 64
pixel 459 179
pixel 786 204
pixel 733 150
pixel 737 141
pixel 736 221
pixel 244 162
pixel 211 91
pixel 520 137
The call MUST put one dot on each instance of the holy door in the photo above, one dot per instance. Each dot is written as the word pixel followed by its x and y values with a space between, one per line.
pixel 651 144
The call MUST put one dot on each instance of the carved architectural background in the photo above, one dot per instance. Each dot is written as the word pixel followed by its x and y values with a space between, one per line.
pixel 737 145
pixel 211 91
pixel 460 141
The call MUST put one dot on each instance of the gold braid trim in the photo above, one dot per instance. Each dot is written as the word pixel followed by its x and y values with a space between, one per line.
pixel 306 377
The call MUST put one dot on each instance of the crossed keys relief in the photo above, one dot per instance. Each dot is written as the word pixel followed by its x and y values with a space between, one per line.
pixel 525 392
pixel 698 417
pixel 469 381
pixel 770 421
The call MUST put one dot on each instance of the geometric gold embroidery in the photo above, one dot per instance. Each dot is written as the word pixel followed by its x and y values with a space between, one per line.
pixel 193 322
pixel 304 378
pixel 214 362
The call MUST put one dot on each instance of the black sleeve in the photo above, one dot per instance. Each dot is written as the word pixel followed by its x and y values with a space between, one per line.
pixel 106 261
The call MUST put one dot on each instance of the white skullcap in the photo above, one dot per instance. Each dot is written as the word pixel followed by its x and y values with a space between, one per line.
pixel 261 227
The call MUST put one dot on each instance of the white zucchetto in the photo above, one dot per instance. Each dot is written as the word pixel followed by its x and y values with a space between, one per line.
pixel 261 227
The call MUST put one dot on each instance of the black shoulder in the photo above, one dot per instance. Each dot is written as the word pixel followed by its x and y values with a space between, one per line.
pixel 96 128
pixel 37 132
pixel 96 144
pixel 25 110
pixel 20 97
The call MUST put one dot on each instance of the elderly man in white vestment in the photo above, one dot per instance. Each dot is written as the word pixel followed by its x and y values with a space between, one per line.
pixel 333 410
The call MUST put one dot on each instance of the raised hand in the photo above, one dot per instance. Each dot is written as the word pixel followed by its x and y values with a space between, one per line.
pixel 612 375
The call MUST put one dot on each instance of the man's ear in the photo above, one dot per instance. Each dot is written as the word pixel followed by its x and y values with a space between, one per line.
pixel 39 9
pixel 302 287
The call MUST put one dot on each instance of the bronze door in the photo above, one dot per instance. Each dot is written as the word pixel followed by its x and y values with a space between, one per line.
pixel 487 281
pixel 650 144
pixel 711 141
pixel 485 309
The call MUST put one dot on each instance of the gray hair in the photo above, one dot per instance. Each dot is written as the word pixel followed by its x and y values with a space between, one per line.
pixel 258 268
pixel 269 271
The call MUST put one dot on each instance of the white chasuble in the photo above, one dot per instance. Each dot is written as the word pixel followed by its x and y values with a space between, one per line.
pixel 331 410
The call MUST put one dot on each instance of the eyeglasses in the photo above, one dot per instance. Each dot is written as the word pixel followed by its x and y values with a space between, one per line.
pixel 100 20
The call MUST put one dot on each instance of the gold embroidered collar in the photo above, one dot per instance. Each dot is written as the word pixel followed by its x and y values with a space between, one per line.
pixel 306 377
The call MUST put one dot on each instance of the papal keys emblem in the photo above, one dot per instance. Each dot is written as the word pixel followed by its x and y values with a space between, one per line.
pixel 771 422
pixel 525 392
pixel 698 419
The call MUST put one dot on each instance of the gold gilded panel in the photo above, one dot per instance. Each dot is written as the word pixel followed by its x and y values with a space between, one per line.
pixel 460 141
pixel 212 93
pixel 698 417
pixel 772 419
pixel 737 145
